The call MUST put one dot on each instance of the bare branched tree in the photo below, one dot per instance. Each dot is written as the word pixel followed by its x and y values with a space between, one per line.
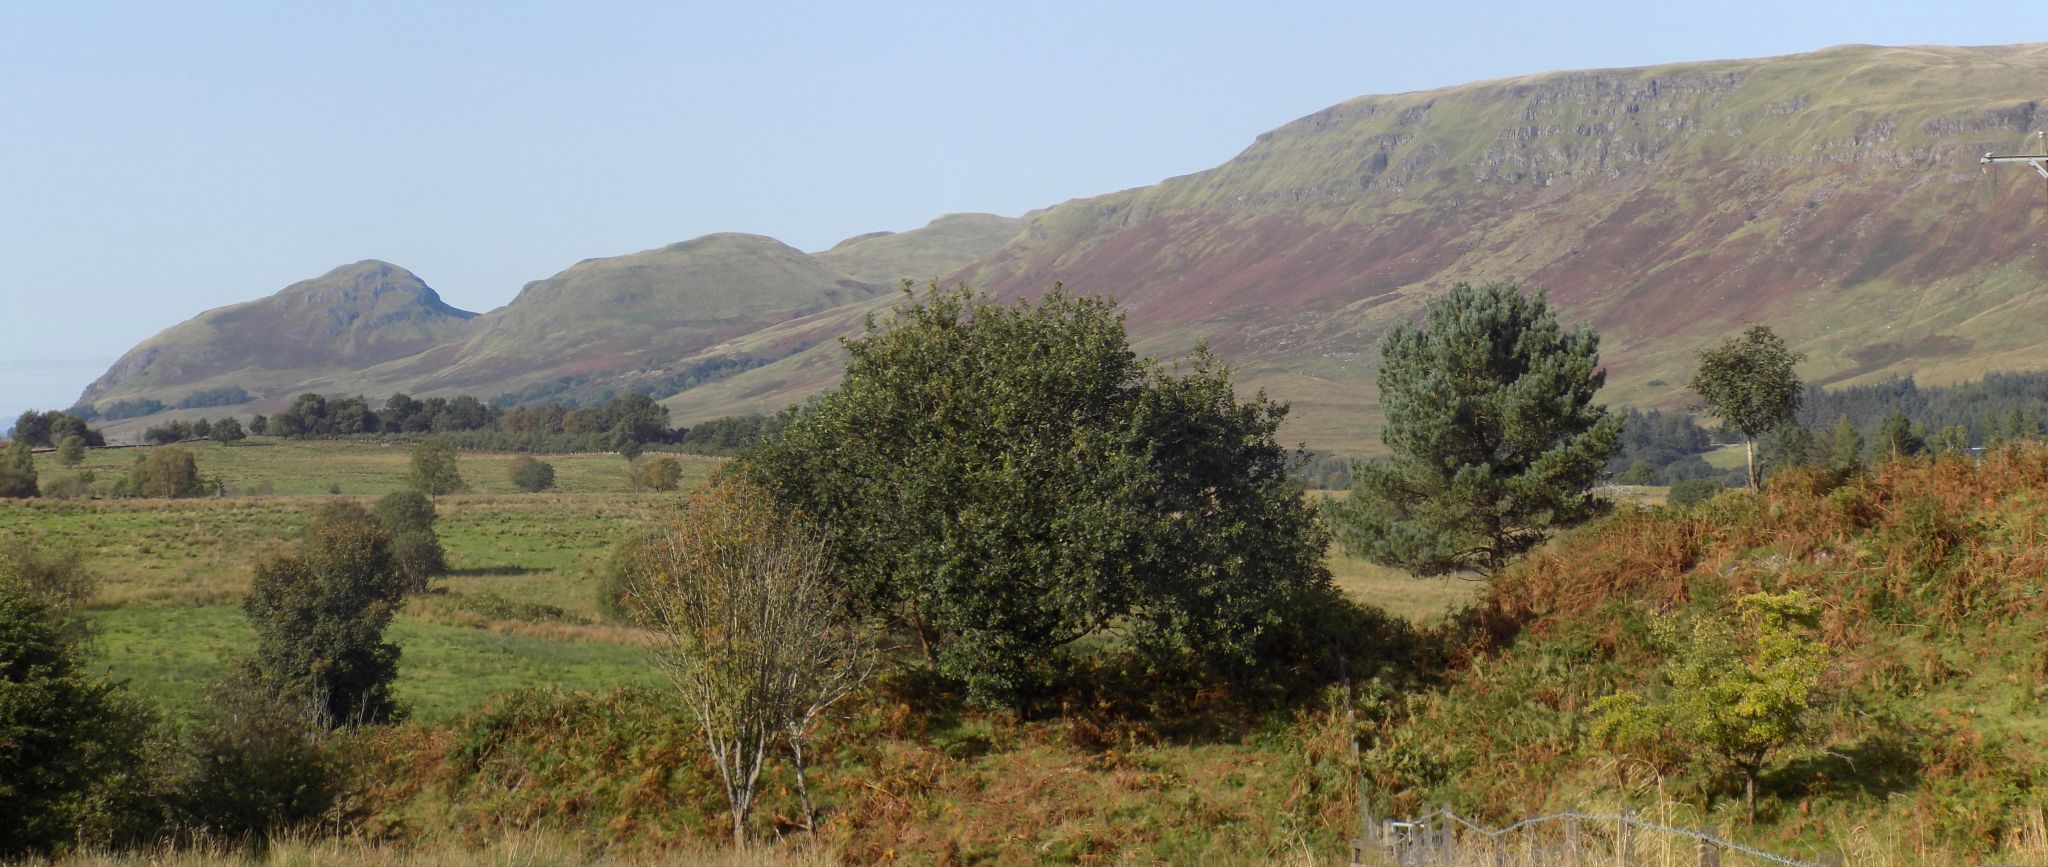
pixel 751 632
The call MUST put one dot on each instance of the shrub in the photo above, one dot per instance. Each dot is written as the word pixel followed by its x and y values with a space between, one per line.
pixel 18 471
pixel 415 548
pixel 433 469
pixel 1692 492
pixel 662 473
pixel 258 766
pixel 532 476
pixel 622 567
pixel 165 472
pixel 71 452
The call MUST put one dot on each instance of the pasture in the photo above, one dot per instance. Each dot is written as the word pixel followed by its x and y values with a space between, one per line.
pixel 518 607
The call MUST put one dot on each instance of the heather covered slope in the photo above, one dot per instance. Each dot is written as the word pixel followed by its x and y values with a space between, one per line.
pixel 313 331
pixel 1835 195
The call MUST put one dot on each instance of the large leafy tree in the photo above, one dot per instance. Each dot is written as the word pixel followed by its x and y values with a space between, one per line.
pixel 320 614
pixel 999 482
pixel 1748 382
pixel 1495 438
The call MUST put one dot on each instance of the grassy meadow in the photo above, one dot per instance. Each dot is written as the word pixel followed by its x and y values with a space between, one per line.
pixel 518 608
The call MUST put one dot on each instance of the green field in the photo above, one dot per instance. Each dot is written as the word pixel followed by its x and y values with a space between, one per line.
pixel 518 607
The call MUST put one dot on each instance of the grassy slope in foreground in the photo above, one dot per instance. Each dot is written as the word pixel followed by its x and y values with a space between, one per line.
pixel 1930 577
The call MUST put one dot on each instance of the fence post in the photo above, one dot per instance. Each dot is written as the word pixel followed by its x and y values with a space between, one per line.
pixel 1625 839
pixel 1571 837
pixel 1710 851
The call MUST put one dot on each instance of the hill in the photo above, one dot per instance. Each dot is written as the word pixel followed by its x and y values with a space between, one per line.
pixel 943 246
pixel 1835 195
pixel 309 333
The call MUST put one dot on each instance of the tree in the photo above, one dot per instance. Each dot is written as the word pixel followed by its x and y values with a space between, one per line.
pixel 1735 689
pixel 532 476
pixel 999 482
pixel 750 631
pixel 662 473
pixel 1638 473
pixel 1896 438
pixel 18 471
pixel 1951 440
pixel 1748 382
pixel 67 739
pixel 201 429
pixel 433 468
pixel 71 452
pixel 415 549
pixel 259 425
pixel 1692 492
pixel 1495 437
pixel 1845 447
pixel 166 471
pixel 32 427
pixel 319 617
pixel 228 431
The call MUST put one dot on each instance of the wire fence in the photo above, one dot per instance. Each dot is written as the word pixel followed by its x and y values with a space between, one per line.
pixel 1442 838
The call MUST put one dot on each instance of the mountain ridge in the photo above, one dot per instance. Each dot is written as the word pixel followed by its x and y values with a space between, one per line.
pixel 1833 194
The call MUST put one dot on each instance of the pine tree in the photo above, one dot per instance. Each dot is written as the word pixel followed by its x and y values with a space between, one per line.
pixel 1495 437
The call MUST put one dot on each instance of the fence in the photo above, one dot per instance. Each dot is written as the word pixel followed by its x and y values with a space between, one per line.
pixel 1441 838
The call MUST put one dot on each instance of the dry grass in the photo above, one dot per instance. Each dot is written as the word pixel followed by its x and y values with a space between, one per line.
pixel 516 849
pixel 1418 599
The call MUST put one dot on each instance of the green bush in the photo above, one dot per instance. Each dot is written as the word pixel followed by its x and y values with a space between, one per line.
pixel 1692 492
pixel 166 472
pixel 71 452
pixel 409 517
pixel 661 473
pixel 532 476
pixel 18 471
pixel 257 766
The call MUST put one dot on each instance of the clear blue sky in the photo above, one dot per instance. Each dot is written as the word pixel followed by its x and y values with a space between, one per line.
pixel 159 159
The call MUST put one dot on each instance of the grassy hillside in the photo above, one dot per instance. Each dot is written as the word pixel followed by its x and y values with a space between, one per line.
pixel 1835 195
pixel 309 333
pixel 941 247
pixel 1929 579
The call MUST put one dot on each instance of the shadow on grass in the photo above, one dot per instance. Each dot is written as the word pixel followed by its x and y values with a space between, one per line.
pixel 492 572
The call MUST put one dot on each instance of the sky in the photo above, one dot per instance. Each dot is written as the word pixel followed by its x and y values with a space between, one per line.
pixel 161 159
